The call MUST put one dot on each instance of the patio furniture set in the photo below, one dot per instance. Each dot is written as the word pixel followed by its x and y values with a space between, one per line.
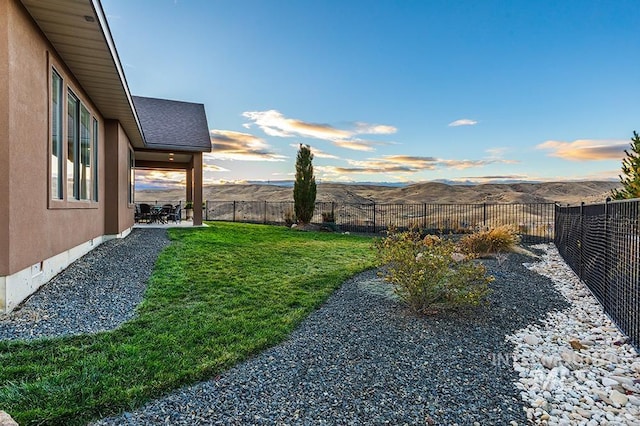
pixel 147 213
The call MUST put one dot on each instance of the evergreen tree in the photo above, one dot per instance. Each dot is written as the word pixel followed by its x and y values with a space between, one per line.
pixel 304 188
pixel 631 170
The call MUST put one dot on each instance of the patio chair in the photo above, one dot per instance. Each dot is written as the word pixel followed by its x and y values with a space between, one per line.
pixel 145 212
pixel 174 215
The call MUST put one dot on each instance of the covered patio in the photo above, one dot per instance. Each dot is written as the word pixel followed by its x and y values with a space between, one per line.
pixel 177 134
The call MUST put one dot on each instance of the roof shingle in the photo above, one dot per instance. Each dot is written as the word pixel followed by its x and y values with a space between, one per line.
pixel 173 125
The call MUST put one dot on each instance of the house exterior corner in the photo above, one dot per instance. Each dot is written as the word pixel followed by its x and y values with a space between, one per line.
pixel 54 148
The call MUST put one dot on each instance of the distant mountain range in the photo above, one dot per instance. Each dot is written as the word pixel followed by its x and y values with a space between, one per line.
pixel 572 192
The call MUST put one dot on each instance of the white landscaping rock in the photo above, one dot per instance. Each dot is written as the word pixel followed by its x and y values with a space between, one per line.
pixel 532 340
pixel 608 382
pixel 6 420
pixel 577 365
pixel 618 398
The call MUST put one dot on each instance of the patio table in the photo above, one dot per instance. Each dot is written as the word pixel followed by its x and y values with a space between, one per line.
pixel 156 215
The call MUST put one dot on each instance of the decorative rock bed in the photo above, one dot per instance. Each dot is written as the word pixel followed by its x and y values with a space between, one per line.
pixel 575 367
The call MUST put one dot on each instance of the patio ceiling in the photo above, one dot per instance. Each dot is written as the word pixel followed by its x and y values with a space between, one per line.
pixel 167 160
pixel 79 32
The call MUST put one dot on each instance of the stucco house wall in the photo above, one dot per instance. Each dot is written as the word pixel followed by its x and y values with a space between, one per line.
pixel 4 147
pixel 120 212
pixel 39 236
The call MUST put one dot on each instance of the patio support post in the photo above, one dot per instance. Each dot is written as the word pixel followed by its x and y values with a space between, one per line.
pixel 189 194
pixel 197 189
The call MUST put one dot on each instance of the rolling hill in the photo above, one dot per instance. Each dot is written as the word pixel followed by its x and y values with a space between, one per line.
pixel 428 192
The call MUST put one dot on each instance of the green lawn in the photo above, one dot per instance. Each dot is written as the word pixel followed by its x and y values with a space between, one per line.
pixel 217 295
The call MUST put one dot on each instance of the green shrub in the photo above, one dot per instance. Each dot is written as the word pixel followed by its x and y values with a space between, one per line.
pixel 496 240
pixel 328 217
pixel 289 217
pixel 429 273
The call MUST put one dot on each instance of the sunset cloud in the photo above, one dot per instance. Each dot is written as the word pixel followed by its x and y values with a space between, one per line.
pixel 586 149
pixel 274 123
pixel 389 168
pixel 463 122
pixel 212 167
pixel 317 153
pixel 230 145
pixel 406 164
pixel 466 164
pixel 492 178
pixel 160 179
pixel 355 145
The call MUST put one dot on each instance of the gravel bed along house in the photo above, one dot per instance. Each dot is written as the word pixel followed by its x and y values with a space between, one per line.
pixel 98 292
pixel 362 358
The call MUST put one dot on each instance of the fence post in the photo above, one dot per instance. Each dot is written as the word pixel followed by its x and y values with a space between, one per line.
pixel 484 215
pixel 206 210
pixel 374 217
pixel 424 215
pixel 555 223
pixel 607 243
pixel 581 269
pixel 234 211
pixel 265 213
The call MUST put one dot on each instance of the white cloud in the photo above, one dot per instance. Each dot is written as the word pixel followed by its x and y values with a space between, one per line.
pixel 274 123
pixel 463 122
pixel 496 153
pixel 374 129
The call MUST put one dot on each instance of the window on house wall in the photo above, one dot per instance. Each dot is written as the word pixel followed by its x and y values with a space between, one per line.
pixel 74 164
pixel 85 173
pixel 73 139
pixel 57 108
pixel 132 176
pixel 95 159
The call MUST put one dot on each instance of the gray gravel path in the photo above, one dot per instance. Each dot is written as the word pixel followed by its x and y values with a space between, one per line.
pixel 363 359
pixel 98 292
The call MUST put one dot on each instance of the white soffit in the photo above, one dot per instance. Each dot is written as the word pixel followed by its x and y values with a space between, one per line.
pixel 79 32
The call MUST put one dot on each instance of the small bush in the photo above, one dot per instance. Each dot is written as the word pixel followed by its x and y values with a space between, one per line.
pixel 289 217
pixel 497 240
pixel 328 217
pixel 429 273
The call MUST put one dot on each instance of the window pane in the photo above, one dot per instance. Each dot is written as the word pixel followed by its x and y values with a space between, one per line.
pixel 84 165
pixel 132 176
pixel 95 159
pixel 56 135
pixel 73 118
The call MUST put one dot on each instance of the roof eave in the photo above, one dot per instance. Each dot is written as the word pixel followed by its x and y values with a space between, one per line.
pixel 184 148
pixel 113 101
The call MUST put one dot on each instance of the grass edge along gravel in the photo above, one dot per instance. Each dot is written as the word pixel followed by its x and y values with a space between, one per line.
pixel 217 296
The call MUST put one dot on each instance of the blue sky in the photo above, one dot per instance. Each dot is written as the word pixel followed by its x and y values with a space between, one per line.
pixel 389 91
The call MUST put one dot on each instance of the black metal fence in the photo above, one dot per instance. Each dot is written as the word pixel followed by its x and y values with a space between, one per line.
pixel 601 243
pixel 533 221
